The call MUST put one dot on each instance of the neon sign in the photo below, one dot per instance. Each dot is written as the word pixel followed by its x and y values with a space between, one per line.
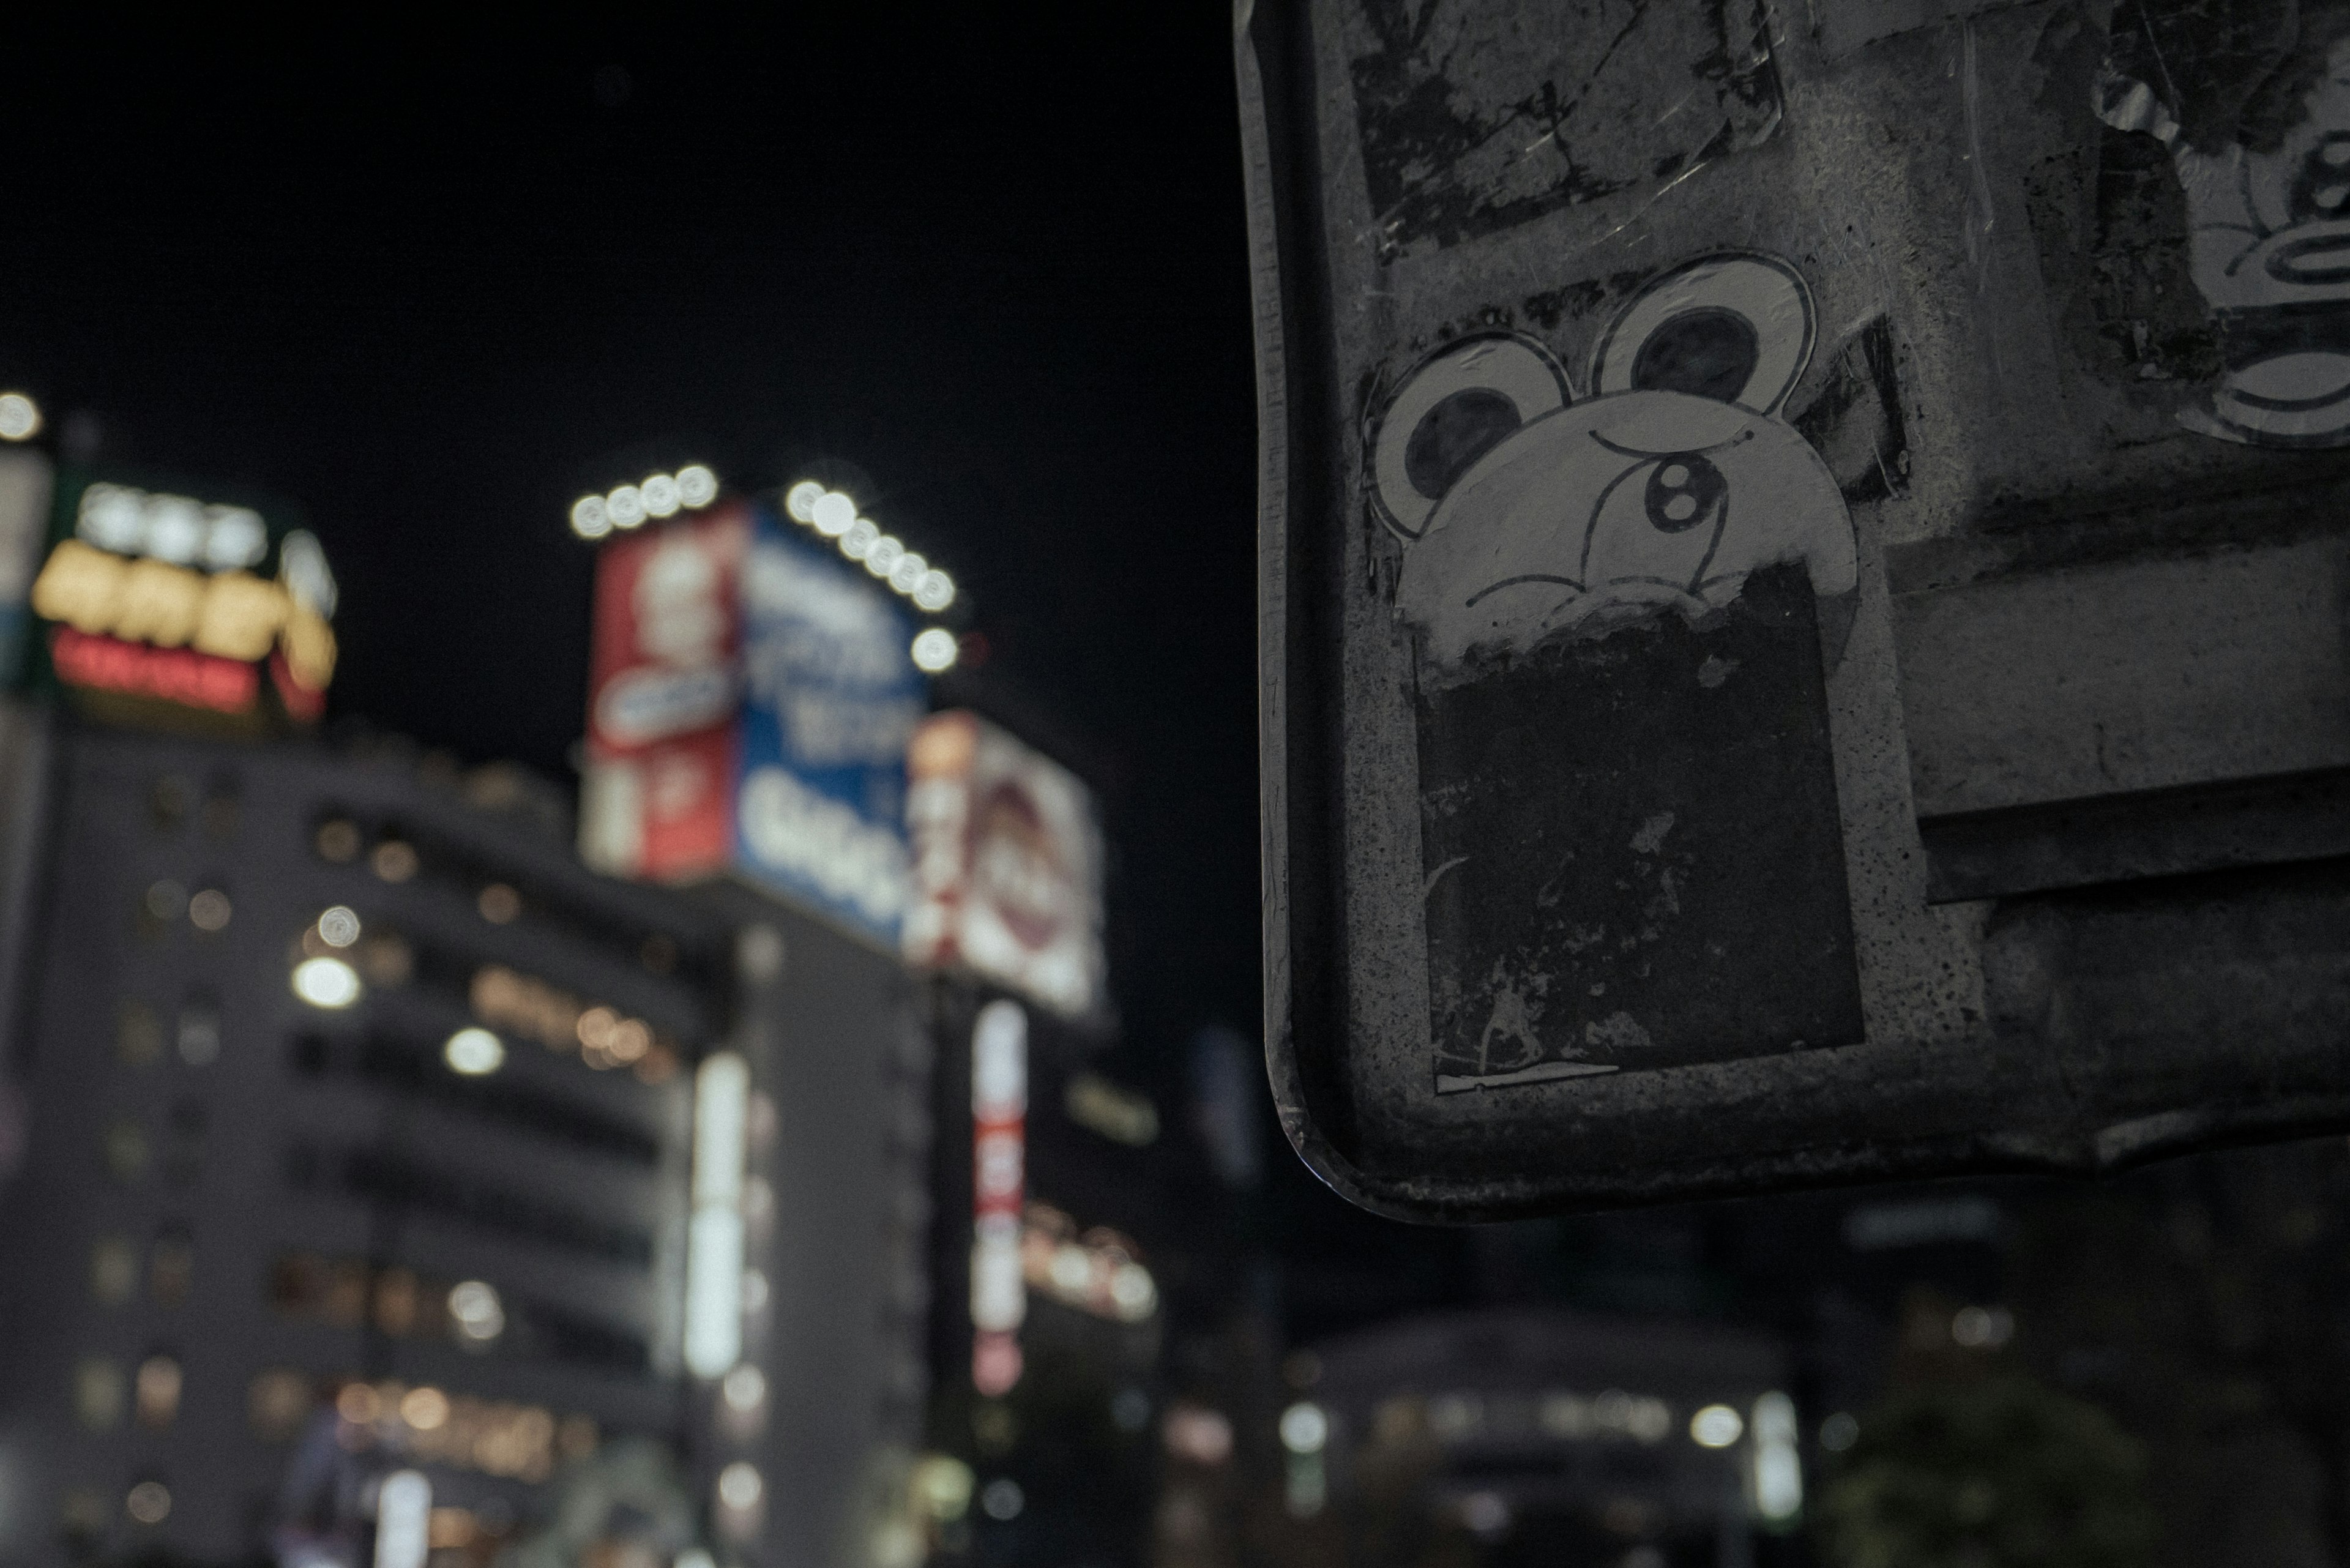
pixel 154 596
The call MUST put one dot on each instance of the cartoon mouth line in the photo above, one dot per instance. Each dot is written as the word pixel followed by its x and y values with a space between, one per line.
pixel 1492 589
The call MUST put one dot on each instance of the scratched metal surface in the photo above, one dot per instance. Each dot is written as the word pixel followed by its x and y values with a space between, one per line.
pixel 2006 374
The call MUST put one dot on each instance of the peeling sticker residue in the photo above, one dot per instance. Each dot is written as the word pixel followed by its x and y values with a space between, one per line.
pixel 1619 1030
pixel 1428 884
pixel 1513 1023
pixel 1476 117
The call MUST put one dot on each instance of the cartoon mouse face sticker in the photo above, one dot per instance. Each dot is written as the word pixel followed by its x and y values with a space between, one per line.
pixel 1527 512
pixel 2260 139
pixel 1631 855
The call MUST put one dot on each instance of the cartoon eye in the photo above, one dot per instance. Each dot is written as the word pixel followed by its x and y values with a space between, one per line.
pixel 1684 490
pixel 1456 406
pixel 1735 328
pixel 1453 435
pixel 2322 190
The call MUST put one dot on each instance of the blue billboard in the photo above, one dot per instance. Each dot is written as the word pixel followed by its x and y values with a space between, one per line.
pixel 832 695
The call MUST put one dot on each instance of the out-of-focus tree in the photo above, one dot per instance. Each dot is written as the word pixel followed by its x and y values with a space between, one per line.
pixel 1997 1472
pixel 2203 1302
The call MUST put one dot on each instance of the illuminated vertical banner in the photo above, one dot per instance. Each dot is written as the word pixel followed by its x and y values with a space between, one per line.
pixel 1007 864
pixel 831 695
pixel 999 1110
pixel 713 1256
pixel 662 698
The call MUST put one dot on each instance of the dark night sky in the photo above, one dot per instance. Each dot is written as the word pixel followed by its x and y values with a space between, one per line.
pixel 431 280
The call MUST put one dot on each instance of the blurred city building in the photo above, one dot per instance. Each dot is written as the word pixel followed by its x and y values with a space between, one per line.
pixel 358 1142
pixel 1550 1435
pixel 360 1130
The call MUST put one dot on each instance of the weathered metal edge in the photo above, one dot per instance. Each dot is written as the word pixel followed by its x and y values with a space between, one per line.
pixel 1304 991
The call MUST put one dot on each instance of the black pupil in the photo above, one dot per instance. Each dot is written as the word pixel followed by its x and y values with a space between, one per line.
pixel 2322 190
pixel 1708 353
pixel 1454 434
pixel 1684 490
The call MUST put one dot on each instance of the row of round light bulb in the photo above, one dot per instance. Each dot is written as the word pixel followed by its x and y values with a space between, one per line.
pixel 20 417
pixel 630 505
pixel 834 515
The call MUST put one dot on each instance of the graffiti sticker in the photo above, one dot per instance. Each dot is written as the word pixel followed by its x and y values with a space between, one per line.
pixel 2253 103
pixel 1619 605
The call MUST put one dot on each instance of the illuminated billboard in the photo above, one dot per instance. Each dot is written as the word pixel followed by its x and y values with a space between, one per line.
pixel 662 698
pixel 831 696
pixel 151 601
pixel 1007 863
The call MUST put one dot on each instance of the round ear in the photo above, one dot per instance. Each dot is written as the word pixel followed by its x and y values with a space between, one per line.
pixel 1453 408
pixel 1735 327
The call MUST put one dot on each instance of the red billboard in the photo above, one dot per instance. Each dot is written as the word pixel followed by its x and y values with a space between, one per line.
pixel 662 692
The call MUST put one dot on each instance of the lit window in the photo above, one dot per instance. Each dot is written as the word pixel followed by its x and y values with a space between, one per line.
pixel 278 1402
pixel 480 1316
pixel 209 910
pixel 157 1389
pixel 745 1388
pixel 424 1408
pixel 1716 1426
pixel 150 1502
pixel 474 1052
pixel 328 983
pixel 740 1487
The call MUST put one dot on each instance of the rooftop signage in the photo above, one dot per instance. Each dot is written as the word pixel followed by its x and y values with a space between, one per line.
pixel 158 597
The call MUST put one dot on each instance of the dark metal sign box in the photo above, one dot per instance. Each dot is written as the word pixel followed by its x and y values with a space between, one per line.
pixel 1804 552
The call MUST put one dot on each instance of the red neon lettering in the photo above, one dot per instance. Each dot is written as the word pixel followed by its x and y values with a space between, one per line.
pixel 174 674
